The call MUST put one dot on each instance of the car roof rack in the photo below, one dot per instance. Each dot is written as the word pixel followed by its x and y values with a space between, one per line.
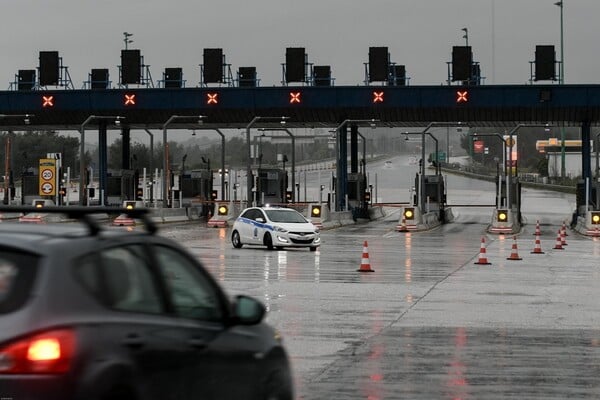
pixel 83 214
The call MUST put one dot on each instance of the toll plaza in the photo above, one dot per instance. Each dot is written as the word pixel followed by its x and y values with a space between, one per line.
pixel 300 103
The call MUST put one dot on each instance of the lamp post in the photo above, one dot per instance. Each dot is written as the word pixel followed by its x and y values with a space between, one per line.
pixel 423 133
pixel 166 172
pixel 293 171
pixel 151 163
pixel 597 174
pixel 561 76
pixel 249 178
pixel 436 141
pixel 504 150
pixel 117 119
pixel 561 80
pixel 466 36
pixel 341 162
pixel 510 144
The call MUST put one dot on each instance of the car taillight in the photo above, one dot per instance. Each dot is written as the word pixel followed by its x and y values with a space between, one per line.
pixel 46 353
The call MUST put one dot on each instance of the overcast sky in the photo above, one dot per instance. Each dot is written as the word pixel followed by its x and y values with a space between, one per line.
pixel 419 34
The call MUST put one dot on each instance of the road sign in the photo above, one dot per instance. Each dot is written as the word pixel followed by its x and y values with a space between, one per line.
pixel 47 178
pixel 47 174
pixel 47 189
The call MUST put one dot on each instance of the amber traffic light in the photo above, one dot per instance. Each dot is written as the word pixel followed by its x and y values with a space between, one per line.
pixel 502 216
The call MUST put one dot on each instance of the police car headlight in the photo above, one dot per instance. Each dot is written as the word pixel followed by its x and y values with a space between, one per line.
pixel 279 229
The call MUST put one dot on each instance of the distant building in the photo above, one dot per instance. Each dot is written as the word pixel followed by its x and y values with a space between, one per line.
pixel 553 149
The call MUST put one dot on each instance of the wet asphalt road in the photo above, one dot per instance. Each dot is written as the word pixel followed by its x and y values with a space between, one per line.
pixel 428 323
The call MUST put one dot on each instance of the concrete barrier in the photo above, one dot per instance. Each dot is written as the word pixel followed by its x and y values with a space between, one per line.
pixel 168 215
pixel 338 218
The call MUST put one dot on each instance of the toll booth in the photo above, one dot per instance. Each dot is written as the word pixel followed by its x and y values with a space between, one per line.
pixel 196 189
pixel 29 186
pixel 121 185
pixel 593 202
pixel 357 187
pixel 435 194
pixel 271 186
pixel 514 203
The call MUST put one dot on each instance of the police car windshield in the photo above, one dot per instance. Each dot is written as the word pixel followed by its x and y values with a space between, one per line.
pixel 288 216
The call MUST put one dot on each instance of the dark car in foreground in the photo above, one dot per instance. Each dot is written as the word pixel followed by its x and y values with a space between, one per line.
pixel 91 313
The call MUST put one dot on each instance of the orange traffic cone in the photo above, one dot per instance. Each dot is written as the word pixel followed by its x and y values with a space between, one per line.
pixel 537 249
pixel 365 265
pixel 482 258
pixel 537 229
pixel 558 245
pixel 564 228
pixel 563 239
pixel 514 255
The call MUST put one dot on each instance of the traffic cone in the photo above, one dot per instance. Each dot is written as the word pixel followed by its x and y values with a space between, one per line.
pixel 563 239
pixel 564 228
pixel 482 258
pixel 514 255
pixel 365 265
pixel 537 249
pixel 538 232
pixel 558 245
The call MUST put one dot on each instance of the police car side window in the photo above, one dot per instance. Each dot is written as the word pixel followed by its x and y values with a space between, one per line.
pixel 252 214
pixel 247 214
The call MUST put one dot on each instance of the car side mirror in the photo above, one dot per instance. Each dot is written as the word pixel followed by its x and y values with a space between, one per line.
pixel 248 311
pixel 260 219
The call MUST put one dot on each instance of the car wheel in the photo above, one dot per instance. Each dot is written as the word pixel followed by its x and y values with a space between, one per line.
pixel 235 240
pixel 268 241
pixel 277 389
pixel 313 248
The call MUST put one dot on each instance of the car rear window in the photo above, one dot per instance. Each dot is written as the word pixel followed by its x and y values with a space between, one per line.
pixel 17 273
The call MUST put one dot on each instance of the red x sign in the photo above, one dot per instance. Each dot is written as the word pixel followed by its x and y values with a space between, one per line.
pixel 47 101
pixel 462 96
pixel 377 97
pixel 295 97
pixel 212 98
pixel 129 99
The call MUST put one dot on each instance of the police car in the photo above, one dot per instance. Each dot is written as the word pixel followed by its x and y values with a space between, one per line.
pixel 274 227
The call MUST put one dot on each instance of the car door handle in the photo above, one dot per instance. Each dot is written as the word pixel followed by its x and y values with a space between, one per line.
pixel 133 340
pixel 197 343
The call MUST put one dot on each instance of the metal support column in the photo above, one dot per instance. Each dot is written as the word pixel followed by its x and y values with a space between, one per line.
pixel 353 149
pixel 102 161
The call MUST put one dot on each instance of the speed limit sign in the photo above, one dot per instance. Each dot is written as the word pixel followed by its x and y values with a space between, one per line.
pixel 47 174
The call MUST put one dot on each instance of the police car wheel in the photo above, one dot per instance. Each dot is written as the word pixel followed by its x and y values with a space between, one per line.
pixel 235 240
pixel 268 241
